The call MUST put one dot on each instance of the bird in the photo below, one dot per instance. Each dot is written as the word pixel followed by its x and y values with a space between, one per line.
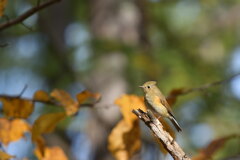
pixel 157 103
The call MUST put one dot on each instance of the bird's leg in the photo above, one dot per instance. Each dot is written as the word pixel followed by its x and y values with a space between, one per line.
pixel 151 116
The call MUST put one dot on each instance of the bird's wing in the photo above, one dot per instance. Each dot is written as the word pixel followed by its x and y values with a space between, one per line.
pixel 165 103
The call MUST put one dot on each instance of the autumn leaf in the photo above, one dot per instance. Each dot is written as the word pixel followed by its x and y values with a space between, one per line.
pixel 172 97
pixel 16 107
pixel 71 106
pixel 51 153
pixel 124 140
pixel 46 123
pixel 5 156
pixel 127 103
pixel 83 96
pixel 40 142
pixel 214 146
pixel 12 130
pixel 2 6
pixel 41 96
pixel 64 98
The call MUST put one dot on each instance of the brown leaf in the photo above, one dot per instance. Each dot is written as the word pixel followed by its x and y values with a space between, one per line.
pixel 3 4
pixel 127 103
pixel 5 156
pixel 207 152
pixel 124 140
pixel 17 107
pixel 46 123
pixel 12 130
pixel 41 96
pixel 172 97
pixel 51 153
pixel 83 96
pixel 69 104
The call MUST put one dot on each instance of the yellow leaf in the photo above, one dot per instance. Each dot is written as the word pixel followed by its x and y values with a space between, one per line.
pixel 127 103
pixel 5 156
pixel 124 140
pixel 69 104
pixel 16 107
pixel 46 123
pixel 41 96
pixel 12 130
pixel 2 6
pixel 83 96
pixel 40 145
pixel 51 153
pixel 214 146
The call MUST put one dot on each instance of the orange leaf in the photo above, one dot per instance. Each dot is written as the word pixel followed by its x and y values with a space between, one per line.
pixel 41 96
pixel 69 104
pixel 5 156
pixel 2 6
pixel 46 123
pixel 51 153
pixel 127 103
pixel 214 146
pixel 83 96
pixel 124 140
pixel 16 107
pixel 12 130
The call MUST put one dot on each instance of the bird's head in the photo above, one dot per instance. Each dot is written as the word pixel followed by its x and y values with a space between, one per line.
pixel 148 86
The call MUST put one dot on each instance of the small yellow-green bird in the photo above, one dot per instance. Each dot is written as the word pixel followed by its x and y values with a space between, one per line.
pixel 157 103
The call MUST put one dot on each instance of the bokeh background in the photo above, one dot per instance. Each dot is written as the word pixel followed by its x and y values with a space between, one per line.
pixel 112 47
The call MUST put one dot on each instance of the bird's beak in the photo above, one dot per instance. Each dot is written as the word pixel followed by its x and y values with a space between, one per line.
pixel 141 86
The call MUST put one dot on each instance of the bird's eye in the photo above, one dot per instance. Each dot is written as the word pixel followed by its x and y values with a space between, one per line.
pixel 148 87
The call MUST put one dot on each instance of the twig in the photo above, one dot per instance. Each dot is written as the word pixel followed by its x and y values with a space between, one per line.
pixel 182 91
pixel 3 45
pixel 29 28
pixel 208 85
pixel 157 128
pixel 23 90
pixel 27 14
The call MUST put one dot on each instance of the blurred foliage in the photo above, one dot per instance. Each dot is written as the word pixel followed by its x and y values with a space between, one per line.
pixel 80 44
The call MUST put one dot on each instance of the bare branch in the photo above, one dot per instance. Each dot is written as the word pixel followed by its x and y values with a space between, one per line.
pixel 208 85
pixel 173 95
pixel 27 14
pixel 157 128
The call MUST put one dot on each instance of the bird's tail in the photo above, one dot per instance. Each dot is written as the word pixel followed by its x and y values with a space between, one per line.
pixel 175 123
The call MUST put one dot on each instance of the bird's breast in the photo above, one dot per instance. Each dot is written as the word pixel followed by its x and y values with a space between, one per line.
pixel 153 103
